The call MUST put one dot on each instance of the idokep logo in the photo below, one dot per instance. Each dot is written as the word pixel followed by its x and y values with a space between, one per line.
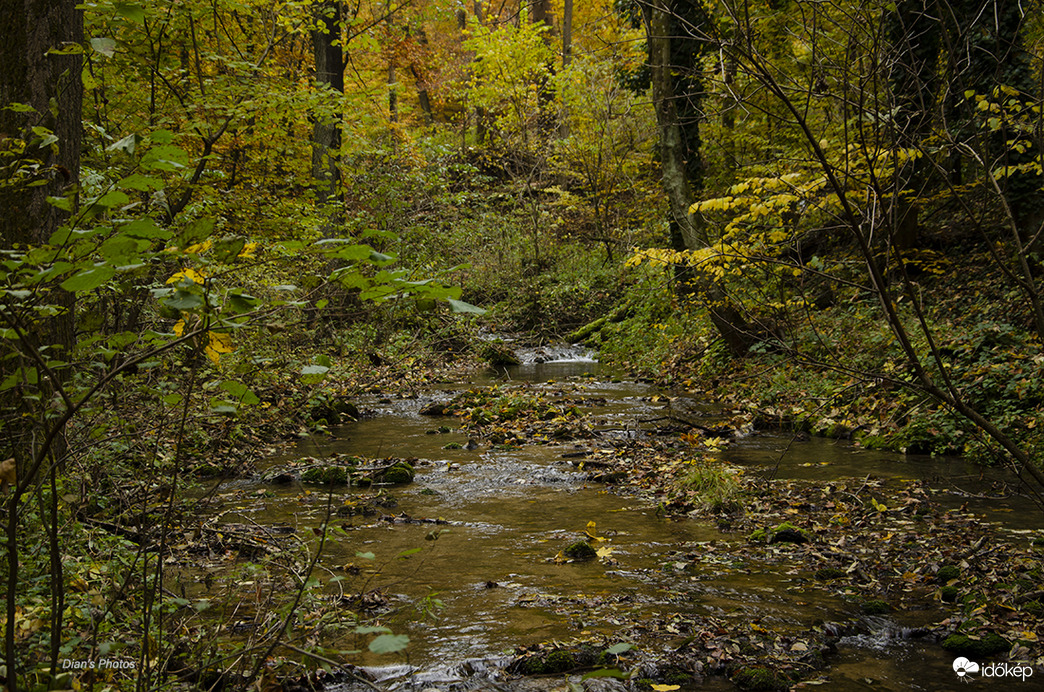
pixel 963 667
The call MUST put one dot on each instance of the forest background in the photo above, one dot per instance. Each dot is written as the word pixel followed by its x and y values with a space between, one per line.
pixel 221 221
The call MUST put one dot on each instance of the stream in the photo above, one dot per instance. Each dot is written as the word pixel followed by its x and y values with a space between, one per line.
pixel 485 579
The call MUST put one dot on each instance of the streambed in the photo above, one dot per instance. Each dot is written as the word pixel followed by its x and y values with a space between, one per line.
pixel 490 522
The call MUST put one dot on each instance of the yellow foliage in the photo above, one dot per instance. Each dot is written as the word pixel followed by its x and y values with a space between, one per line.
pixel 187 275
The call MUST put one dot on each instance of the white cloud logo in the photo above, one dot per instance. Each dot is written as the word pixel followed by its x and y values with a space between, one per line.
pixel 963 666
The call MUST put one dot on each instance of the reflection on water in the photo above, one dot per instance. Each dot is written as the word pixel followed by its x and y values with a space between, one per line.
pixel 503 515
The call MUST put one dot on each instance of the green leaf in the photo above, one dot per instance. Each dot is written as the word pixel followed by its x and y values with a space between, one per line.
pixel 195 232
pixel 113 198
pixel 184 300
pixel 605 673
pixel 242 302
pixel 241 392
pixel 104 46
pixel 131 11
pixel 222 406
pixel 89 279
pixel 228 247
pixel 63 203
pixel 389 643
pixel 371 629
pixel 313 374
pixel 366 556
pixel 619 648
pixel 459 306
pixel 68 48
pixel 142 183
pixel 144 228
pixel 407 553
pixel 172 399
pixel 165 157
pixel 119 250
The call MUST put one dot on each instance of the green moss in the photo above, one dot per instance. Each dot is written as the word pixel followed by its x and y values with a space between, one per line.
pixel 758 678
pixel 560 661
pixel 326 475
pixel 875 607
pixel 948 594
pixel 581 550
pixel 453 445
pixel 400 473
pixel 947 573
pixel 1035 608
pixel 963 645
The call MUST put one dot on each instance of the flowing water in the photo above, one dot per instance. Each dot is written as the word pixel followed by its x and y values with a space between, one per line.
pixel 489 523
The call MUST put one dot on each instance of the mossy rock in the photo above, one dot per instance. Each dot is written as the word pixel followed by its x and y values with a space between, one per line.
pixel 948 594
pixel 828 573
pixel 947 573
pixel 326 475
pixel 580 551
pixel 398 474
pixel 784 533
pixel 963 645
pixel 759 678
pixel 875 607
pixel 497 354
pixel 453 445
pixel 559 661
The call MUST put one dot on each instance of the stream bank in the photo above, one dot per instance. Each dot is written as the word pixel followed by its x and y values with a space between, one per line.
pixel 845 582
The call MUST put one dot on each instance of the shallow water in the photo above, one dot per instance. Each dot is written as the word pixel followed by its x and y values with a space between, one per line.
pixel 492 522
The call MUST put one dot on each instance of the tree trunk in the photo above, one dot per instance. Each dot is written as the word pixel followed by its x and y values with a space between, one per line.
pixel 329 71
pixel 913 32
pixel 674 62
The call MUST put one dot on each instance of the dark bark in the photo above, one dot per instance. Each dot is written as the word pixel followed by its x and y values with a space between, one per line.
pixel 914 35
pixel 329 71
pixel 674 61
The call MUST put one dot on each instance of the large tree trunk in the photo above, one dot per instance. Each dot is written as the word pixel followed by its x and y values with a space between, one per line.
pixel 674 54
pixel 329 71
pixel 913 32
pixel 28 75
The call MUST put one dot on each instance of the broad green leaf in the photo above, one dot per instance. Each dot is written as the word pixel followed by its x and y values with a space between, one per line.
pixel 459 306
pixel 119 250
pixel 222 406
pixel 89 279
pixel 366 556
pixel 63 203
pixel 242 302
pixel 619 648
pixel 312 374
pixel 241 392
pixel 113 198
pixel 142 183
pixel 172 399
pixel 372 629
pixel 195 232
pixel 131 11
pixel 184 300
pixel 104 46
pixel 144 228
pixel 389 643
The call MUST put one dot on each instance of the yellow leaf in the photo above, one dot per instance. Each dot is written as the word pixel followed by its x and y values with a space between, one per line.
pixel 199 247
pixel 187 275
pixel 248 251
pixel 179 328
pixel 604 551
pixel 219 343
pixel 665 688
